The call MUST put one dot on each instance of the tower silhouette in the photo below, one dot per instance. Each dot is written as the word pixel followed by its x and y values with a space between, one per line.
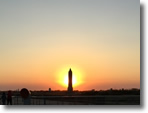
pixel 70 88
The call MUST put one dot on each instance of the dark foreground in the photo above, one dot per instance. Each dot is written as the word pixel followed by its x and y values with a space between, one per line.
pixel 102 97
pixel 80 100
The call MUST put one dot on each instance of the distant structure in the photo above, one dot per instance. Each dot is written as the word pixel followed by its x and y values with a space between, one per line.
pixel 49 89
pixel 70 88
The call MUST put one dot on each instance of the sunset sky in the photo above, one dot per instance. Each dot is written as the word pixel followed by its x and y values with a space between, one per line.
pixel 41 39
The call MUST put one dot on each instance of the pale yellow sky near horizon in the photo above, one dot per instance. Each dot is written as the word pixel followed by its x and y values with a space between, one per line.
pixel 41 40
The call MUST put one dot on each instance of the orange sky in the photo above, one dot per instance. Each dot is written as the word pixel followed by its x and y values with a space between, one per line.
pixel 38 44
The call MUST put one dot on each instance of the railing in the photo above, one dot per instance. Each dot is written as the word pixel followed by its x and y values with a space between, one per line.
pixel 80 100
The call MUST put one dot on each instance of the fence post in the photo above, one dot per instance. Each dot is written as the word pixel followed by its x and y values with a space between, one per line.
pixel 44 101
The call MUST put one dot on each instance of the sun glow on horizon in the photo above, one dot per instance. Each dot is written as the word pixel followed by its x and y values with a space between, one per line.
pixel 76 77
pixel 74 80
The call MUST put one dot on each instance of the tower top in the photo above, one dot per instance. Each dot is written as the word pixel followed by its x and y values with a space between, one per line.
pixel 70 69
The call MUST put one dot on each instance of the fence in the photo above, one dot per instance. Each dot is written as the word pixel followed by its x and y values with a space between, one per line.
pixel 80 100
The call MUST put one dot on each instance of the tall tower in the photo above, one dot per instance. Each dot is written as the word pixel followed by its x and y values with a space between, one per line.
pixel 70 89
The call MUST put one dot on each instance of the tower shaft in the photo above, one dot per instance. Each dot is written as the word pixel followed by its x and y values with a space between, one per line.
pixel 70 88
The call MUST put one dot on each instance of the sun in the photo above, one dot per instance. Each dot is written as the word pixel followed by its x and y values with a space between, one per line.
pixel 74 80
pixel 76 76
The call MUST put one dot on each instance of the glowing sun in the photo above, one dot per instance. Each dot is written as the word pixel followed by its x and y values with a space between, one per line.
pixel 74 81
pixel 76 76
